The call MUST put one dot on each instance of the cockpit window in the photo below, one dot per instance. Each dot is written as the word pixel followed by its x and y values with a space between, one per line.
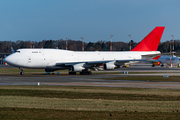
pixel 17 51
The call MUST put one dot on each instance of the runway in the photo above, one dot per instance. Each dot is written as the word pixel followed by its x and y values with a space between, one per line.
pixel 95 79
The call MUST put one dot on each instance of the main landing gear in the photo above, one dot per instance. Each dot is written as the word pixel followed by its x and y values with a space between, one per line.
pixel 21 73
pixel 85 72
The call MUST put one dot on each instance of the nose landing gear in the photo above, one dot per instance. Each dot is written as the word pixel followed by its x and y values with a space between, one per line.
pixel 21 73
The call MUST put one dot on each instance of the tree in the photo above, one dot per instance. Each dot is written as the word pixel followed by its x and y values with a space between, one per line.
pixel 48 44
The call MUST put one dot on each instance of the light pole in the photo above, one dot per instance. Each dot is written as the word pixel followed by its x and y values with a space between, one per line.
pixel 111 43
pixel 173 44
pixel 82 43
pixel 171 50
pixel 66 42
pixel 130 42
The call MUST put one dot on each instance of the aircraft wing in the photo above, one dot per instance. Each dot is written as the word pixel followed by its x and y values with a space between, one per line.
pixel 124 61
pixel 96 63
pixel 92 63
pixel 68 64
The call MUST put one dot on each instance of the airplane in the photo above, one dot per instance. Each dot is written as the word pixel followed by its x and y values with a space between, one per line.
pixel 165 59
pixel 84 61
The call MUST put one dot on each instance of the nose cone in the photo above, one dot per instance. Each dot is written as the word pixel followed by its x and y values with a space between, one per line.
pixel 9 60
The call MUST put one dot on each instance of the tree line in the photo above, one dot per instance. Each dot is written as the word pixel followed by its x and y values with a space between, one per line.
pixel 5 46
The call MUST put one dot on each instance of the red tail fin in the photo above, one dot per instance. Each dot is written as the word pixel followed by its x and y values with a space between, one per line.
pixel 151 41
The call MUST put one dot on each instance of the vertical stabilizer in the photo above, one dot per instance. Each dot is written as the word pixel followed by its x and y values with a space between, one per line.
pixel 151 41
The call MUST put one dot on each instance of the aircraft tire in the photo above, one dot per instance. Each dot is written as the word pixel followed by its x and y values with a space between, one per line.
pixel 82 73
pixel 89 73
pixel 85 73
pixel 21 73
pixel 72 73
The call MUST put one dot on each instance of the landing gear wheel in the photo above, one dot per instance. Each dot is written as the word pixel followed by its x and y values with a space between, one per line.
pixel 72 73
pixel 85 72
pixel 21 73
pixel 89 73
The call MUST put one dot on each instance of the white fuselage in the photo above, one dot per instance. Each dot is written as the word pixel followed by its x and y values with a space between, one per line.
pixel 43 58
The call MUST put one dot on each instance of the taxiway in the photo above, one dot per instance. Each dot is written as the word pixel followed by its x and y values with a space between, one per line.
pixel 95 79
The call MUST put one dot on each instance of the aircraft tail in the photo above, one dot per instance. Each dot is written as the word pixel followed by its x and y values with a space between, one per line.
pixel 151 41
pixel 12 50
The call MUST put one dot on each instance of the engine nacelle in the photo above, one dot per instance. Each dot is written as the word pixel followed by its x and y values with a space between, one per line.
pixel 77 68
pixel 109 66
pixel 156 63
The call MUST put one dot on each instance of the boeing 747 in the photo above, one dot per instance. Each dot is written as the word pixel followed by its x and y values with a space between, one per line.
pixel 84 61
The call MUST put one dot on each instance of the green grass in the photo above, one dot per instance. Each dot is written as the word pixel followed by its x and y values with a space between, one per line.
pixel 16 71
pixel 72 102
pixel 88 104
pixel 85 95
pixel 111 90
pixel 50 114
pixel 27 71
pixel 32 72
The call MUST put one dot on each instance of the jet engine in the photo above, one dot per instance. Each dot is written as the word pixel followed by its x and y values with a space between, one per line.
pixel 77 68
pixel 109 66
pixel 156 63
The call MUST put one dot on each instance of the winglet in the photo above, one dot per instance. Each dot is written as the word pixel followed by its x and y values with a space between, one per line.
pixel 151 41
